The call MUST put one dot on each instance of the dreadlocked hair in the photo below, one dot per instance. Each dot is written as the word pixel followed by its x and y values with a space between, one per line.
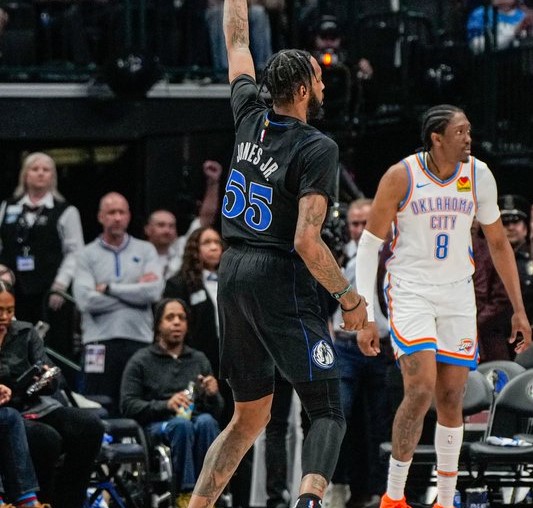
pixel 436 119
pixel 285 72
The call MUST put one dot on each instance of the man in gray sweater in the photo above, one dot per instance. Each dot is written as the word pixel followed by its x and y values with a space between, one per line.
pixel 117 280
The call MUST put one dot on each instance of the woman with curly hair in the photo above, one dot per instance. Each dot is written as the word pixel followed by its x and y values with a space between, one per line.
pixel 196 283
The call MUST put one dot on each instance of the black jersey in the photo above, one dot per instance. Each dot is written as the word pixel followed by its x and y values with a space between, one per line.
pixel 276 160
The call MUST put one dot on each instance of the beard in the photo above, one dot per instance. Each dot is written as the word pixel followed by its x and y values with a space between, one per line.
pixel 314 107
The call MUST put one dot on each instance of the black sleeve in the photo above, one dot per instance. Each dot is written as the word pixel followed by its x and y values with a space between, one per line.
pixel 318 167
pixel 244 98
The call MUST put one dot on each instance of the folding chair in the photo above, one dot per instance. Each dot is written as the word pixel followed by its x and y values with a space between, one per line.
pixel 122 467
pixel 507 466
pixel 499 372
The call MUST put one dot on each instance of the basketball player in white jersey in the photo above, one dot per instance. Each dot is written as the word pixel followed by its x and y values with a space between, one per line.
pixel 431 198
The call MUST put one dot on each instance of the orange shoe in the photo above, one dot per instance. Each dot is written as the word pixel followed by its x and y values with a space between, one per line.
pixel 437 505
pixel 387 502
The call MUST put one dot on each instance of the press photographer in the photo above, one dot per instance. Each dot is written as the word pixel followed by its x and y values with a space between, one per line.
pixel 52 429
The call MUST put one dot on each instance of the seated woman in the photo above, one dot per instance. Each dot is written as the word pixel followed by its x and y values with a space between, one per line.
pixel 169 388
pixel 52 429
pixel 16 468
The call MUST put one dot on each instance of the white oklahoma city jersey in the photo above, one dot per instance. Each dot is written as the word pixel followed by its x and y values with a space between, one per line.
pixel 432 242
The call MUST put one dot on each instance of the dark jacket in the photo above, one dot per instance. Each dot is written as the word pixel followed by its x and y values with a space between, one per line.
pixel 23 348
pixel 152 376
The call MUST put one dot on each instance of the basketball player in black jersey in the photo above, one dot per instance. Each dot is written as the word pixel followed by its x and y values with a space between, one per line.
pixel 281 181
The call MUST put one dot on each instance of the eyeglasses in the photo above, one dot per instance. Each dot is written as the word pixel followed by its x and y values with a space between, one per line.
pixel 357 223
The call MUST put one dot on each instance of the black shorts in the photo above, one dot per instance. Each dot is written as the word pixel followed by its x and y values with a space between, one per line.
pixel 269 314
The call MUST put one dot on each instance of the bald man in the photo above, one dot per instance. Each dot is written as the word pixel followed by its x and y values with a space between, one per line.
pixel 117 280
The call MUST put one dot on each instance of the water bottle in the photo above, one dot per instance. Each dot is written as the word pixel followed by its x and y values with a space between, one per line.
pixel 457 499
pixel 186 412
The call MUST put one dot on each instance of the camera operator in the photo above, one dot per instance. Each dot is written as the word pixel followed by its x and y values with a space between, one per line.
pixel 51 428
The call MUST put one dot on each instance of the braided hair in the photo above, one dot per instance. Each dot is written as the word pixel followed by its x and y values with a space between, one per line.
pixel 436 119
pixel 285 72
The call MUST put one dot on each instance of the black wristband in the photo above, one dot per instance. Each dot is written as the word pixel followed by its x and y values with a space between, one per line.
pixel 106 290
pixel 354 307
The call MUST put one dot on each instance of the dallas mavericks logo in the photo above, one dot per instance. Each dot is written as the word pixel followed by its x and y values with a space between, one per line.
pixel 323 355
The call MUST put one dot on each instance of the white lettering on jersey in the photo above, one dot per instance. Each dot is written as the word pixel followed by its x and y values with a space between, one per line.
pixel 253 153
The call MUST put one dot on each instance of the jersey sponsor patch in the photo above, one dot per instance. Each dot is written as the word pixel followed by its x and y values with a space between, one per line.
pixel 463 184
pixel 323 355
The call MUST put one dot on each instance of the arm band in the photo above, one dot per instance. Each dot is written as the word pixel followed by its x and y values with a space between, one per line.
pixel 342 293
pixel 366 267
pixel 354 307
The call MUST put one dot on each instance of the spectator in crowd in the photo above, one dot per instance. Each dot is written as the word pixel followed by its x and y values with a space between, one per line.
pixel 260 34
pixel 494 308
pixel 7 275
pixel 40 234
pixel 16 467
pixel 160 229
pixel 197 283
pixel 52 429
pixel 356 217
pixel 118 278
pixel 510 22
pixel 156 391
pixel 515 211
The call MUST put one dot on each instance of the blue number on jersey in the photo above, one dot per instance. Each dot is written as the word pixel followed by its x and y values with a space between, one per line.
pixel 257 213
pixel 441 245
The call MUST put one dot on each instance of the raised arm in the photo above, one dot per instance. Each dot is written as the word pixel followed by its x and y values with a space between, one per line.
pixel 237 35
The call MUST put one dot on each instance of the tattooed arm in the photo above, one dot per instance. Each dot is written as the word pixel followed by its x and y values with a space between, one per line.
pixel 236 32
pixel 312 209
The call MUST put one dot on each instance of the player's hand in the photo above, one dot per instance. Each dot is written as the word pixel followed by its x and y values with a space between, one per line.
pixel 521 332
pixel 212 171
pixel 356 319
pixel 368 340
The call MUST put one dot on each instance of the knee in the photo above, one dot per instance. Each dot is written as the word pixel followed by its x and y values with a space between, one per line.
pixel 419 396
pixel 250 422
pixel 450 400
pixel 178 428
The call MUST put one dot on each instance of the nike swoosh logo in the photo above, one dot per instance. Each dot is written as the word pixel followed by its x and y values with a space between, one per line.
pixel 420 185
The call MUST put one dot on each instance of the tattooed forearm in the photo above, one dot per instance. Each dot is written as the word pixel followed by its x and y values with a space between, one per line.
pixel 236 22
pixel 315 253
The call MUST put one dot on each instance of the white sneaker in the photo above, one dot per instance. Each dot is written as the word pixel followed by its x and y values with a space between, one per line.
pixel 336 495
